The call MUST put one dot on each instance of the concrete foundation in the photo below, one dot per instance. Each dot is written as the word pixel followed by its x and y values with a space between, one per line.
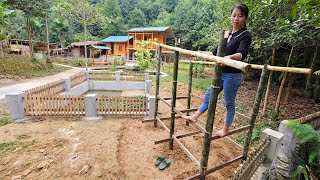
pixel 16 105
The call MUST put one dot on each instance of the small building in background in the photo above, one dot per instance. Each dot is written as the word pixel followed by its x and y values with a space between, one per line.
pixel 118 44
pixel 157 34
pixel 77 49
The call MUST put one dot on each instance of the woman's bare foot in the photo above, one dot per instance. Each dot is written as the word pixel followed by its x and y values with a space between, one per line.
pixel 193 118
pixel 222 132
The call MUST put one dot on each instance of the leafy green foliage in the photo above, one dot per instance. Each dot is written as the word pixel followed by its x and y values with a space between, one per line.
pixel 307 134
pixel 143 55
pixel 79 62
pixel 115 62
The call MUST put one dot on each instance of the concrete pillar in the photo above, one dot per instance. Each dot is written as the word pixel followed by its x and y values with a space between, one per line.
pixel 285 159
pixel 152 105
pixel 91 105
pixel 88 75
pixel 146 76
pixel 275 138
pixel 67 84
pixel 16 105
pixel 148 86
pixel 118 76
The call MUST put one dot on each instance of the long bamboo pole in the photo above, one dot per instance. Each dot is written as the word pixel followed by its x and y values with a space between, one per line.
pixel 283 83
pixel 189 88
pixel 283 69
pixel 255 111
pixel 227 62
pixel 215 89
pixel 266 96
pixel 174 95
pixel 157 85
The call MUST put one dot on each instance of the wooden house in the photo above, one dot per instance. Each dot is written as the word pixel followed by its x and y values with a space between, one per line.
pixel 77 49
pixel 160 34
pixel 118 44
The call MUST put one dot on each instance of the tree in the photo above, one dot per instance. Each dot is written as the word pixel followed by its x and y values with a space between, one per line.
pixel 126 7
pixel 5 14
pixel 82 11
pixel 136 18
pixel 30 8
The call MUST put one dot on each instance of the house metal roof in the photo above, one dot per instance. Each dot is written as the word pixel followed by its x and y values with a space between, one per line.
pixel 117 39
pixel 101 47
pixel 168 30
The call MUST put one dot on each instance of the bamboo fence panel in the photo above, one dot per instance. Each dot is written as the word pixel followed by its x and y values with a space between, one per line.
pixel 47 89
pixel 102 76
pixel 36 105
pixel 122 106
pixel 254 160
pixel 78 78
pixel 132 76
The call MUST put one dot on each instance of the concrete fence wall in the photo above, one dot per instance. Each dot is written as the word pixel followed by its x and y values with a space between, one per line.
pixel 16 101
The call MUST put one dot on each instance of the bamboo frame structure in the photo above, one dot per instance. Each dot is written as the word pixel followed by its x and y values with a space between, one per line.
pixel 175 113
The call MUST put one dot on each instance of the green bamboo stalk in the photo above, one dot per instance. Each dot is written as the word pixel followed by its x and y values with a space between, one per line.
pixel 157 85
pixel 189 89
pixel 174 96
pixel 215 89
pixel 255 111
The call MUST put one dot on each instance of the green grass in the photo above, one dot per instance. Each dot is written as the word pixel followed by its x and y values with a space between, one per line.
pixel 18 66
pixel 8 146
pixel 4 120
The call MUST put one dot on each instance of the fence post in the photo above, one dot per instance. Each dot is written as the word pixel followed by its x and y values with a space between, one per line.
pixel 146 76
pixel 16 105
pixel 118 76
pixel 152 105
pixel 285 160
pixel 275 140
pixel 88 75
pixel 148 84
pixel 67 84
pixel 91 105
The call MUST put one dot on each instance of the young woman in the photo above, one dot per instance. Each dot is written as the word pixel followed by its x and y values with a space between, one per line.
pixel 237 49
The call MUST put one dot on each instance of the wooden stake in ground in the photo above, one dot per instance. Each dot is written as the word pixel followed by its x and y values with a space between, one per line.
pixel 255 111
pixel 189 88
pixel 174 96
pixel 312 69
pixel 283 83
pixel 269 83
pixel 215 89
pixel 291 77
pixel 157 85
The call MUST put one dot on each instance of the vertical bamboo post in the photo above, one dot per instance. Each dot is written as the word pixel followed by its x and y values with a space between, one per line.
pixel 255 111
pixel 312 64
pixel 283 83
pixel 291 77
pixel 215 89
pixel 157 85
pixel 189 89
pixel 174 95
pixel 269 83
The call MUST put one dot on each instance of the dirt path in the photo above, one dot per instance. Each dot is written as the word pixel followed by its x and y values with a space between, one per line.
pixel 28 84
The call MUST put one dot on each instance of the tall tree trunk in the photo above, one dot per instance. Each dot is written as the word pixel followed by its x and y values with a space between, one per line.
pixel 283 83
pixel 313 61
pixel 48 62
pixel 265 103
pixel 316 90
pixel 291 77
pixel 30 36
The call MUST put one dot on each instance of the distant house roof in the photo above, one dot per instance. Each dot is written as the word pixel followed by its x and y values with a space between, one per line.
pixel 168 30
pixel 88 43
pixel 101 47
pixel 117 39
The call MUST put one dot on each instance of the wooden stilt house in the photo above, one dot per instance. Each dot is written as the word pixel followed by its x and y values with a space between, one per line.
pixel 118 44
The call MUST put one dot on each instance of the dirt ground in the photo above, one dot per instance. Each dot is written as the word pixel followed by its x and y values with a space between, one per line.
pixel 70 148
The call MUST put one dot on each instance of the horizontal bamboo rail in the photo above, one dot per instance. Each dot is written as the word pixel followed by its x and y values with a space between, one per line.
pixel 216 168
pixel 228 62
pixel 178 137
pixel 185 150
pixel 312 119
pixel 283 69
pixel 231 132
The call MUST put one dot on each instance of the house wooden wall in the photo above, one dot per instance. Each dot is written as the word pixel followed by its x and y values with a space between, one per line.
pixel 118 48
